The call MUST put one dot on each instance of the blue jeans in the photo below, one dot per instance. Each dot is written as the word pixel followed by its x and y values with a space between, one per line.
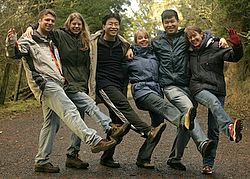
pixel 180 97
pixel 215 104
pixel 56 105
pixel 87 105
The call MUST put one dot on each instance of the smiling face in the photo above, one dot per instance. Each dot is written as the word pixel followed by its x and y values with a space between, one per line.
pixel 170 25
pixel 111 29
pixel 76 26
pixel 141 38
pixel 194 35
pixel 46 23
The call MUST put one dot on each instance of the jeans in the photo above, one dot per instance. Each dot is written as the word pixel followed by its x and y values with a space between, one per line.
pixel 213 124
pixel 56 105
pixel 180 97
pixel 87 105
pixel 161 108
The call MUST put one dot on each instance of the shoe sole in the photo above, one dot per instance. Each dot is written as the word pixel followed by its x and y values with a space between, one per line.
pixel 189 118
pixel 122 132
pixel 77 167
pixel 162 128
pixel 140 165
pixel 97 150
pixel 238 126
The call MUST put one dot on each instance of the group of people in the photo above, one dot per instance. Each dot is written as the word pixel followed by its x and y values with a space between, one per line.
pixel 68 70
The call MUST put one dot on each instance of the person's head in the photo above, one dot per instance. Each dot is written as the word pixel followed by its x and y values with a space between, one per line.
pixel 46 21
pixel 111 25
pixel 141 38
pixel 170 21
pixel 76 25
pixel 194 35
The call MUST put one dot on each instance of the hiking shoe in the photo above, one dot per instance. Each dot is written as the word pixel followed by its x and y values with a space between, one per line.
pixel 156 132
pixel 75 162
pixel 176 165
pixel 146 165
pixel 188 119
pixel 117 132
pixel 206 148
pixel 103 145
pixel 235 130
pixel 207 170
pixel 110 163
pixel 47 168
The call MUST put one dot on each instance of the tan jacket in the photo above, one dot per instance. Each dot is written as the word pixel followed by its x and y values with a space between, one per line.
pixel 93 60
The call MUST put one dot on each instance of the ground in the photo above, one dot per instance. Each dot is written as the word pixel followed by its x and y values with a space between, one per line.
pixel 19 138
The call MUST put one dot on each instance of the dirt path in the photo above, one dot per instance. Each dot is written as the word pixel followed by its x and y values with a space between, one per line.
pixel 18 146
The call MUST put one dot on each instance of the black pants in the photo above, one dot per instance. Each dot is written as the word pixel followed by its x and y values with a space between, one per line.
pixel 120 111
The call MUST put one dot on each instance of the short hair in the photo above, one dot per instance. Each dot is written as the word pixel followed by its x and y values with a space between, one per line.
pixel 85 34
pixel 169 13
pixel 136 34
pixel 109 16
pixel 45 12
pixel 191 29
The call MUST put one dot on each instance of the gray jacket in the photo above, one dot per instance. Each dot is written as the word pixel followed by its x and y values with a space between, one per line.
pixel 39 62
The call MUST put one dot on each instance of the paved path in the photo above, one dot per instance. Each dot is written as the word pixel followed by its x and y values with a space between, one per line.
pixel 19 138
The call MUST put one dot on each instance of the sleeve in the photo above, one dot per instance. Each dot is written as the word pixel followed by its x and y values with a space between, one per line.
pixel 235 54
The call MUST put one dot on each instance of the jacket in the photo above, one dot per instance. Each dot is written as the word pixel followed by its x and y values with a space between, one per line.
pixel 75 62
pixel 41 62
pixel 93 59
pixel 207 65
pixel 143 73
pixel 172 52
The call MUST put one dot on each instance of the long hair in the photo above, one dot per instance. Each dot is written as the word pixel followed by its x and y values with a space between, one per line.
pixel 85 34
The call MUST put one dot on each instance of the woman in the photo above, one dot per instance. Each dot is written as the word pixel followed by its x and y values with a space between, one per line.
pixel 207 83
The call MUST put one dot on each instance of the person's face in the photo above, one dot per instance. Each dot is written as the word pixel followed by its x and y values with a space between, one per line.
pixel 195 39
pixel 170 25
pixel 142 39
pixel 75 26
pixel 46 23
pixel 111 28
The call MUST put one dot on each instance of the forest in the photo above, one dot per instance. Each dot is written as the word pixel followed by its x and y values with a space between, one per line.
pixel 215 15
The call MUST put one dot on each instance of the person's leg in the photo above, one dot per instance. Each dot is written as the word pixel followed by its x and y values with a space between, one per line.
pixel 209 100
pixel 85 104
pixel 56 99
pixel 213 134
pixel 182 100
pixel 147 148
pixel 46 139
pixel 117 102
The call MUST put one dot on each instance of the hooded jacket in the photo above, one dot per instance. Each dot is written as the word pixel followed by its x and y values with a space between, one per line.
pixel 143 73
pixel 41 62
pixel 207 65
pixel 93 59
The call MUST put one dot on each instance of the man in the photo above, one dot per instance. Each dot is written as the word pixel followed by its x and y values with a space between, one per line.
pixel 171 48
pixel 109 79
pixel 44 74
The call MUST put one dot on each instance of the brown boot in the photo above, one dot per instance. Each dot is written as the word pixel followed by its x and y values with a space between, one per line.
pixel 117 132
pixel 103 145
pixel 73 161
pixel 156 131
pixel 47 168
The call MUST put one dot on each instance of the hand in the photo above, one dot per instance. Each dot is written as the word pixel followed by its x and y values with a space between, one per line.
pixel 233 37
pixel 28 33
pixel 223 43
pixel 11 34
pixel 130 54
